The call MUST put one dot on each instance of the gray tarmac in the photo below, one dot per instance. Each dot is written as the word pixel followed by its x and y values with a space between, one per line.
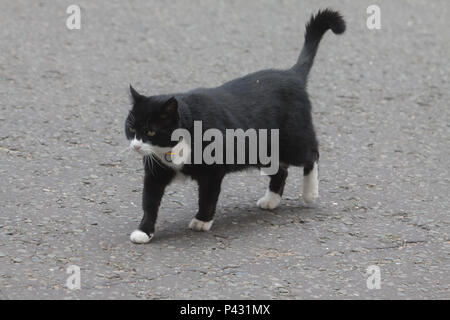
pixel 70 192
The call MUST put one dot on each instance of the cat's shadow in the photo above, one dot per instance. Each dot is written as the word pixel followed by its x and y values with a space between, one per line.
pixel 233 220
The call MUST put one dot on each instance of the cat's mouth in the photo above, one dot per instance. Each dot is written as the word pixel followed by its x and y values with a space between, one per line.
pixel 150 152
pixel 144 149
pixel 175 155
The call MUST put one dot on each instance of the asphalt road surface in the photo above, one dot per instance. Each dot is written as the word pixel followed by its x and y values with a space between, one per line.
pixel 70 192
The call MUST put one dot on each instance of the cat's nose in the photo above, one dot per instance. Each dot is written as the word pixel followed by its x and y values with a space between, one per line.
pixel 137 147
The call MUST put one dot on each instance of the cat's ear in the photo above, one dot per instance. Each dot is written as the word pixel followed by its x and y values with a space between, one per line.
pixel 170 108
pixel 134 94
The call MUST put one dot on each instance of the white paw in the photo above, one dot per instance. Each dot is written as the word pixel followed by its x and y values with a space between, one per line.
pixel 271 200
pixel 138 236
pixel 310 197
pixel 198 225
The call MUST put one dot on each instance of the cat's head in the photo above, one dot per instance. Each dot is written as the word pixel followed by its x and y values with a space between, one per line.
pixel 150 123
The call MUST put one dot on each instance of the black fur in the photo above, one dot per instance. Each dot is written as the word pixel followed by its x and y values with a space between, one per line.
pixel 269 99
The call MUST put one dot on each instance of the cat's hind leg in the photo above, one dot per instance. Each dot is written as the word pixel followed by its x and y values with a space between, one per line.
pixel 311 182
pixel 272 198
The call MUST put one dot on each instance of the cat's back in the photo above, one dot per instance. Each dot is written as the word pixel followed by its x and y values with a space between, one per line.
pixel 254 100
pixel 265 84
pixel 263 81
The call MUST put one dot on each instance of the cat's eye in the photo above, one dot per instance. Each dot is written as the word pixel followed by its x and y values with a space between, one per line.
pixel 151 133
pixel 132 130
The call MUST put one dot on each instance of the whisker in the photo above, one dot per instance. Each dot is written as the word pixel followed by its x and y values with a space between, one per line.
pixel 157 160
pixel 125 150
pixel 149 162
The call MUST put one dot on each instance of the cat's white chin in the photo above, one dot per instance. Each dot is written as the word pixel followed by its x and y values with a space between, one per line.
pixel 140 237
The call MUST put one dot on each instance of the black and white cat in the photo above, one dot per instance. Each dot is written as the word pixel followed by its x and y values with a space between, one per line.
pixel 269 99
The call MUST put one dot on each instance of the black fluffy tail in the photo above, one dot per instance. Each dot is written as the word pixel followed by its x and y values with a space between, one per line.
pixel 315 29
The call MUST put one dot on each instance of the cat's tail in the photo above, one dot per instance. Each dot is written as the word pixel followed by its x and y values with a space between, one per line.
pixel 315 29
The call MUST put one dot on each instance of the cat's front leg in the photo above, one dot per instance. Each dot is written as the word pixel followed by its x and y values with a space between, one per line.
pixel 154 186
pixel 209 190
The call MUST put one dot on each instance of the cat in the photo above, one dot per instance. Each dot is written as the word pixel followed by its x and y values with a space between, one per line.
pixel 268 99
